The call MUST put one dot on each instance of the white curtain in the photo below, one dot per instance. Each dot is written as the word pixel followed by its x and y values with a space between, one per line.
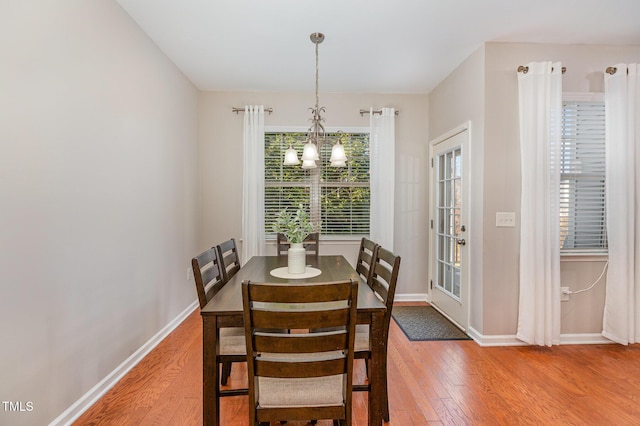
pixel 253 183
pixel 382 175
pixel 540 93
pixel 621 321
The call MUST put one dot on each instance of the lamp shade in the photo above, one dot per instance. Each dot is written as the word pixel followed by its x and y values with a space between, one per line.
pixel 338 157
pixel 310 152
pixel 291 157
pixel 309 164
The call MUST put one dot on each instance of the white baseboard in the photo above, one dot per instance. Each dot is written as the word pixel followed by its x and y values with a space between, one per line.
pixel 95 393
pixel 584 339
pixel 512 340
pixel 494 340
pixel 410 297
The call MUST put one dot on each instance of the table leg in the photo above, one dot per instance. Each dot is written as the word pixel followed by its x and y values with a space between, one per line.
pixel 210 372
pixel 376 374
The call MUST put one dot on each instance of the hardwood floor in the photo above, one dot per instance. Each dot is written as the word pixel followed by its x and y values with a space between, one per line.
pixel 430 383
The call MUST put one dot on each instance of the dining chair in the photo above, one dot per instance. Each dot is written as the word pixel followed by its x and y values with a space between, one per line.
pixel 311 244
pixel 366 255
pixel 383 279
pixel 229 258
pixel 207 273
pixel 302 375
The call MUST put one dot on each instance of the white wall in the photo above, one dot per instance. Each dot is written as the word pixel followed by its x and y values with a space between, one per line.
pixel 484 90
pixel 221 166
pixel 98 198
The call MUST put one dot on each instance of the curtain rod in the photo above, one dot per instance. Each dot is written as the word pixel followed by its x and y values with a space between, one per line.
pixel 525 70
pixel 366 111
pixel 237 110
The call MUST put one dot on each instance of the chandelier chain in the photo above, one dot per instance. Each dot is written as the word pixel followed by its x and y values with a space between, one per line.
pixel 317 71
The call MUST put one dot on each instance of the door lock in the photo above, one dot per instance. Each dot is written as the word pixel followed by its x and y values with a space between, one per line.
pixel 461 242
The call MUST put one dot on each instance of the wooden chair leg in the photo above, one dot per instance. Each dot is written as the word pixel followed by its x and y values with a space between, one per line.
pixel 226 372
pixel 385 406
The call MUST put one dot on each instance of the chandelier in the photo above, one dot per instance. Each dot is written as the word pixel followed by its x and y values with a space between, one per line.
pixel 316 133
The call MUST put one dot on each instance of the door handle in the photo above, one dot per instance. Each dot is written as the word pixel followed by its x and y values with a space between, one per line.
pixel 461 242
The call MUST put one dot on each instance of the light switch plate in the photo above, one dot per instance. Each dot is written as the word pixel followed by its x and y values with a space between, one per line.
pixel 505 219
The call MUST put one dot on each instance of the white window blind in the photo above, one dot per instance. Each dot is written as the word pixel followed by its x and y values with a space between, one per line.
pixel 343 204
pixel 582 180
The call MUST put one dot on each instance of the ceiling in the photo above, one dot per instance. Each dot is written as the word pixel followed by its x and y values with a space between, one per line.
pixel 371 46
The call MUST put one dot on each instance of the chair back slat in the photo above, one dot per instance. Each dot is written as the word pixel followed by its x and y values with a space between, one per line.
pixel 302 319
pixel 311 244
pixel 286 293
pixel 380 288
pixel 211 276
pixel 229 258
pixel 382 272
pixel 314 342
pixel 292 370
pixel 366 256
pixel 207 275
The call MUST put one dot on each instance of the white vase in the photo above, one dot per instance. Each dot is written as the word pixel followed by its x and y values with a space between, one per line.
pixel 297 258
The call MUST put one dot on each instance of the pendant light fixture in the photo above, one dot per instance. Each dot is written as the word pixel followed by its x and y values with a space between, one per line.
pixel 316 132
pixel 291 157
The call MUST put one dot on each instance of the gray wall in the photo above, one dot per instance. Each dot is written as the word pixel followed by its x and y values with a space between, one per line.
pixel 492 107
pixel 98 198
pixel 221 167
pixel 459 99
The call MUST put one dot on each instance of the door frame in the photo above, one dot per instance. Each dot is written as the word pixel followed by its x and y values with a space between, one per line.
pixel 465 294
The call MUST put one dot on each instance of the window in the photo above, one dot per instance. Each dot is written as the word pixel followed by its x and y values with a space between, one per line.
pixel 337 197
pixel 582 178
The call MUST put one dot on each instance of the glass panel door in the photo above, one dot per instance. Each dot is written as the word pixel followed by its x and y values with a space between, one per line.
pixel 449 238
pixel 448 209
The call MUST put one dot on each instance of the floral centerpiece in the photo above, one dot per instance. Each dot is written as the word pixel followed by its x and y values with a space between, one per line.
pixel 295 227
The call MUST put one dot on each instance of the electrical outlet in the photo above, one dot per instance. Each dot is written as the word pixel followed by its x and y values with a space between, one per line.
pixel 505 219
pixel 564 294
pixel 189 273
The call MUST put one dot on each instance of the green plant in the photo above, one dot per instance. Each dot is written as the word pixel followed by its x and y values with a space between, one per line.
pixel 295 227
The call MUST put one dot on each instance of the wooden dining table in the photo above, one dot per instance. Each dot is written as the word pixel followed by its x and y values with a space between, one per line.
pixel 225 310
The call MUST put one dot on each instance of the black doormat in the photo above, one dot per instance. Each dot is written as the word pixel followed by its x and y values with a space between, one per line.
pixel 425 323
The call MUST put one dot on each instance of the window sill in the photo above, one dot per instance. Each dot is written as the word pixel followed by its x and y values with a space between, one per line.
pixel 333 239
pixel 584 257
